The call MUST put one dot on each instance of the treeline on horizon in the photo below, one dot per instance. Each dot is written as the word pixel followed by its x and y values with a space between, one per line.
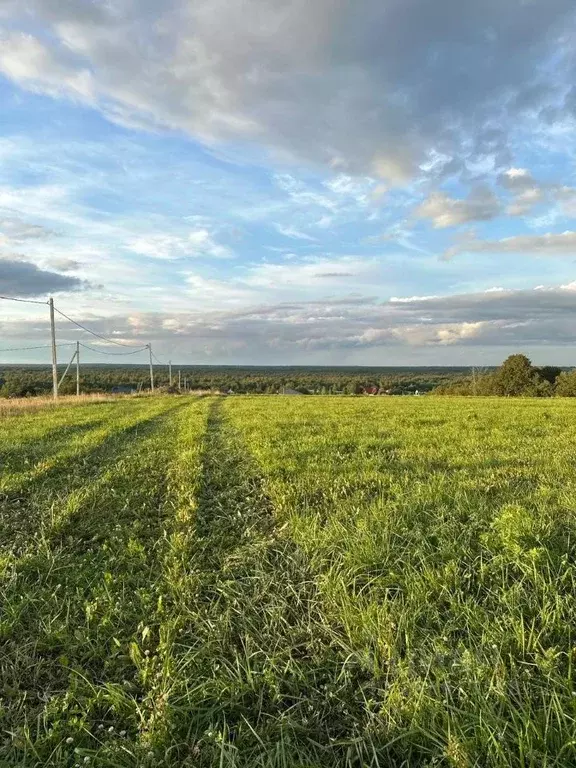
pixel 516 377
pixel 29 380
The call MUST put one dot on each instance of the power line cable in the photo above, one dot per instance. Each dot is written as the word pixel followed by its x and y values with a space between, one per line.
pixel 41 346
pixel 101 352
pixel 98 336
pixel 23 301
pixel 79 325
pixel 156 360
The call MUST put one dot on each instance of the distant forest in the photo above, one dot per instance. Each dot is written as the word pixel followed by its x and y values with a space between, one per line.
pixel 515 377
pixel 30 380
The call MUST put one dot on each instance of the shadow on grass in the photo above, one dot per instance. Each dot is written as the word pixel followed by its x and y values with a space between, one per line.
pixel 34 448
pixel 71 609
pixel 23 509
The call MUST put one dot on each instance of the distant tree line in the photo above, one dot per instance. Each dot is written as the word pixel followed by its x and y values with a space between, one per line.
pixel 25 381
pixel 516 377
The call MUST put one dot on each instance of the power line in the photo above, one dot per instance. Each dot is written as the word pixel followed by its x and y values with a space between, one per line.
pixel 98 336
pixel 41 346
pixel 101 352
pixel 23 301
pixel 76 355
pixel 74 322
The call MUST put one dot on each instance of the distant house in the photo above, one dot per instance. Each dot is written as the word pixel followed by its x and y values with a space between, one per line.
pixel 289 391
pixel 371 390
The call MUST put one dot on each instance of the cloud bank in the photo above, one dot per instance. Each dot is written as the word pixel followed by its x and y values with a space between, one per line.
pixel 369 87
pixel 548 244
pixel 496 319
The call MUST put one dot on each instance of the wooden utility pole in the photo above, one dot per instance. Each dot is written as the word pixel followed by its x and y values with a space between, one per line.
pixel 179 380
pixel 151 368
pixel 77 369
pixel 54 356
pixel 170 371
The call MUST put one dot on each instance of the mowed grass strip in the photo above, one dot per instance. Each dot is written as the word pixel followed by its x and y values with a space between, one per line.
pixel 252 672
pixel 61 460
pixel 298 582
pixel 81 615
pixel 32 446
pixel 443 533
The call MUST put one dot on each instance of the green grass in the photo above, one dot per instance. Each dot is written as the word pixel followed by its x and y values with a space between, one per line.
pixel 280 582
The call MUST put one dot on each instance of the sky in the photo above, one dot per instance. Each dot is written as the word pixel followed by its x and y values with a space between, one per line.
pixel 280 182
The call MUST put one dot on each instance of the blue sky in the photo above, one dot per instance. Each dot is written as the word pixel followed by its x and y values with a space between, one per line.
pixel 274 183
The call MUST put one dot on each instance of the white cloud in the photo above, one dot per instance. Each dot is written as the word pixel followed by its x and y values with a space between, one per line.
pixel 294 233
pixel 26 60
pixel 196 244
pixel 215 292
pixel 444 211
pixel 517 179
pixel 410 299
pixel 527 193
pixel 549 244
pixel 360 191
pixel 14 231
pixel 525 201
pixel 566 197
pixel 452 334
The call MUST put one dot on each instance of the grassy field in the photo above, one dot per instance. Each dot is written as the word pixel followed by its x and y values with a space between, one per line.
pixel 277 582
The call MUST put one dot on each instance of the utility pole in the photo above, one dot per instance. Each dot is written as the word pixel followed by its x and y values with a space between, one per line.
pixel 170 371
pixel 54 357
pixel 151 368
pixel 179 380
pixel 77 369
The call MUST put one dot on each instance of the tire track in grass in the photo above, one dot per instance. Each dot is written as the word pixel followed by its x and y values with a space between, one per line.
pixel 28 499
pixel 252 673
pixel 73 613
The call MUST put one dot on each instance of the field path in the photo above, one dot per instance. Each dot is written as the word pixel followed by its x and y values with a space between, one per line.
pixel 258 674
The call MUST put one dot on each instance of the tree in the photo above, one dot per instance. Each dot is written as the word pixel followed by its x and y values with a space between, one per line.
pixel 514 377
pixel 566 385
pixel 549 373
